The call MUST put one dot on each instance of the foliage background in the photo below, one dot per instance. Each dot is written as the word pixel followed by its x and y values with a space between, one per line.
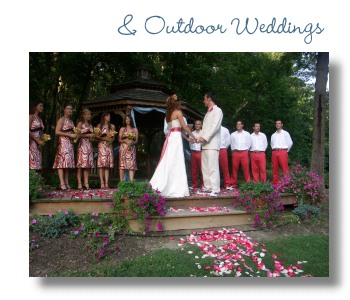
pixel 252 86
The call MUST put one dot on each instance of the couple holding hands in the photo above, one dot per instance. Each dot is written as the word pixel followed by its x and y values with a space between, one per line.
pixel 170 176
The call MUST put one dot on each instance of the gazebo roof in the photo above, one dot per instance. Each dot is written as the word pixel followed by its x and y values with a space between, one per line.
pixel 142 91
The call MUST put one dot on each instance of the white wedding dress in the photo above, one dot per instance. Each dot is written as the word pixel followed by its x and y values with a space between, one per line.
pixel 170 176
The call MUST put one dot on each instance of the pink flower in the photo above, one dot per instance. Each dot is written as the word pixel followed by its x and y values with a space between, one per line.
pixel 34 221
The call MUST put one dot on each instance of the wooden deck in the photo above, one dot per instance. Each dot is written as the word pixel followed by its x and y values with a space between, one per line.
pixel 188 213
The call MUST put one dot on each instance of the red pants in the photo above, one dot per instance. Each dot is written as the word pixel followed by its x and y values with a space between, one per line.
pixel 240 158
pixel 258 163
pixel 196 161
pixel 279 159
pixel 223 163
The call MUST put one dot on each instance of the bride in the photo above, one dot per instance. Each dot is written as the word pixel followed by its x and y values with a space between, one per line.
pixel 170 176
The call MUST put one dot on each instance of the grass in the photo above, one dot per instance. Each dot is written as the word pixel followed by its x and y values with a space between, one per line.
pixel 177 263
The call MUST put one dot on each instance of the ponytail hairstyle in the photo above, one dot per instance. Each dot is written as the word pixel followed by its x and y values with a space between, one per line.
pixel 172 103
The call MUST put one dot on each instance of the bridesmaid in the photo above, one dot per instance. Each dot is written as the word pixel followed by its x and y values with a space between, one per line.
pixel 105 159
pixel 127 150
pixel 85 159
pixel 64 159
pixel 36 128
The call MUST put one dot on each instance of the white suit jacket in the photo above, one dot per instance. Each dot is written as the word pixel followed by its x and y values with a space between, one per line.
pixel 212 129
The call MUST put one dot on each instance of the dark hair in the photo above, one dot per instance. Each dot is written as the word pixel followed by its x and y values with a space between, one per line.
pixel 131 121
pixel 67 104
pixel 33 106
pixel 103 122
pixel 239 120
pixel 172 104
pixel 279 120
pixel 211 95
pixel 257 122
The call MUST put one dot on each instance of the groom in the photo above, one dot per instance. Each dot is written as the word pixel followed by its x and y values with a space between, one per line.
pixel 210 140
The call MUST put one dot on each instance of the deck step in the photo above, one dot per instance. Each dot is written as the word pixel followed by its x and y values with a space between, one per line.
pixel 184 220
pixel 193 212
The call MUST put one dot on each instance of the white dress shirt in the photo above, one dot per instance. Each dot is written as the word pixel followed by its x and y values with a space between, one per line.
pixel 196 146
pixel 259 141
pixel 240 140
pixel 281 140
pixel 225 138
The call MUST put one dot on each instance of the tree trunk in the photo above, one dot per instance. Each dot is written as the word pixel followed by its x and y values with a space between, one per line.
pixel 319 116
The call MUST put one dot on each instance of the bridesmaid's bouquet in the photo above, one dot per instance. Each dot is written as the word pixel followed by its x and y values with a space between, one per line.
pixel 45 138
pixel 130 136
pixel 110 134
pixel 97 132
pixel 76 131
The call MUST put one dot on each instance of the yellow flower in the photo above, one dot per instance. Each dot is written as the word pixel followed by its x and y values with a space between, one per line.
pixel 97 132
pixel 45 138
pixel 111 133
pixel 130 135
pixel 76 131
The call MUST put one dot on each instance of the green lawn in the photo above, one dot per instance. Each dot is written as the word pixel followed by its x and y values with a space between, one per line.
pixel 179 263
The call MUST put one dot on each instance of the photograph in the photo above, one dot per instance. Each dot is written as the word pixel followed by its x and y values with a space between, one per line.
pixel 181 164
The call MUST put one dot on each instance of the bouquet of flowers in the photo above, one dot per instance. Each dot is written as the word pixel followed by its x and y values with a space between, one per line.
pixel 76 131
pixel 97 132
pixel 130 136
pixel 110 134
pixel 45 138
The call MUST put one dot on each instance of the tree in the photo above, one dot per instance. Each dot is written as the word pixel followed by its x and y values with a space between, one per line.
pixel 320 107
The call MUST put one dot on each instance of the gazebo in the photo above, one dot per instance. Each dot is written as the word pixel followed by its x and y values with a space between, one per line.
pixel 145 100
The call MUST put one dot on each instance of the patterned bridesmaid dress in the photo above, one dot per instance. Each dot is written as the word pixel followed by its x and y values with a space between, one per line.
pixel 127 156
pixel 85 158
pixel 105 157
pixel 35 155
pixel 65 150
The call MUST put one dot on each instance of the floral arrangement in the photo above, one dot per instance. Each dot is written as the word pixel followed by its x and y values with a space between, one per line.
pixel 97 132
pixel 110 134
pixel 307 186
pixel 262 200
pixel 45 138
pixel 77 131
pixel 130 136
pixel 143 202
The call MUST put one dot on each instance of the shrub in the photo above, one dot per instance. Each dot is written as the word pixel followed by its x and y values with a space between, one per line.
pixel 262 200
pixel 143 203
pixel 53 225
pixel 308 186
pixel 35 182
pixel 306 211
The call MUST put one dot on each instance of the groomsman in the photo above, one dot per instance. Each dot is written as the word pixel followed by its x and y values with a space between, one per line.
pixel 240 144
pixel 196 156
pixel 281 143
pixel 223 157
pixel 210 140
pixel 257 154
